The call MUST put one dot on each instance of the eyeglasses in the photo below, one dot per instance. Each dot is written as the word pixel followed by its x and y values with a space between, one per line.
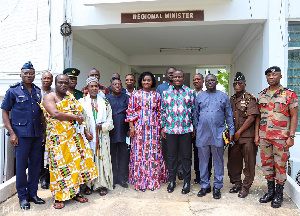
pixel 238 83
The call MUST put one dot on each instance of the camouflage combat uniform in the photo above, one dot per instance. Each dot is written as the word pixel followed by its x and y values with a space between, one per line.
pixel 274 130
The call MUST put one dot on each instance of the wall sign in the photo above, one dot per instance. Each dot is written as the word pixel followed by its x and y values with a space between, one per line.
pixel 162 16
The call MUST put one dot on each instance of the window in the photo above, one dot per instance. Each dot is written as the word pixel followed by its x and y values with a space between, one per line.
pixel 293 72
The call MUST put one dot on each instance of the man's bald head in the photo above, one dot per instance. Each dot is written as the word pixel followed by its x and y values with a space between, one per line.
pixel 47 79
pixel 94 73
pixel 114 76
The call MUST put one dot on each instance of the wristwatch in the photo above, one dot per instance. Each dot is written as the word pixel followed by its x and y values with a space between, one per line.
pixel 292 136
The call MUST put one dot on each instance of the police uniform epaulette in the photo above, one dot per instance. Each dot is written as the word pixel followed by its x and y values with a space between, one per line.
pixel 14 85
pixel 35 86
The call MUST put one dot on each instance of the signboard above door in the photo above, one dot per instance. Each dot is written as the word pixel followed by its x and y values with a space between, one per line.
pixel 162 16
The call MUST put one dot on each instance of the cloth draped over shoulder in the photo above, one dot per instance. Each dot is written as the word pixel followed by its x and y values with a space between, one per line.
pixel 69 158
pixel 99 112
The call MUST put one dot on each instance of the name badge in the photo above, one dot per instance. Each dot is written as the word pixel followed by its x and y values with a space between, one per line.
pixel 21 96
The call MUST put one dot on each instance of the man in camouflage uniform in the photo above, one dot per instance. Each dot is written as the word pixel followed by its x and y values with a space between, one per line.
pixel 244 111
pixel 275 129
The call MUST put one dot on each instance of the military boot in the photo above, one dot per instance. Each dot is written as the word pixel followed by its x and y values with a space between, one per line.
pixel 278 198
pixel 270 195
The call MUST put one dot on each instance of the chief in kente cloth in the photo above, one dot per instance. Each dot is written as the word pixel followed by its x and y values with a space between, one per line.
pixel 275 130
pixel 244 112
pixel 67 151
pixel 73 73
pixel 25 128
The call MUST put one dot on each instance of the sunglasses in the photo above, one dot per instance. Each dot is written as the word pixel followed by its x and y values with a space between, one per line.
pixel 238 83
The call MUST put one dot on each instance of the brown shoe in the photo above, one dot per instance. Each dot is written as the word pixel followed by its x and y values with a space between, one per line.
pixel 235 189
pixel 243 193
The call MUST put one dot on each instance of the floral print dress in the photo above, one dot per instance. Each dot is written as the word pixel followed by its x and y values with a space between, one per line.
pixel 147 167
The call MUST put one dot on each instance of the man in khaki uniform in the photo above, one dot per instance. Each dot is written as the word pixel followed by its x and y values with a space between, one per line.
pixel 275 130
pixel 244 111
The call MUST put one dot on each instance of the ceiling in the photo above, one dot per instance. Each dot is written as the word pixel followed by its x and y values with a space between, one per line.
pixel 214 39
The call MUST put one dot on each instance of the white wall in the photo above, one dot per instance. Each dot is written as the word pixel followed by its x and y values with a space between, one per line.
pixel 24 34
pixel 250 64
pixel 110 14
pixel 85 59
pixel 292 9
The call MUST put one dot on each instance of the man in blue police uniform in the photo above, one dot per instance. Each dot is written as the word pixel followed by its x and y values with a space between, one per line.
pixel 73 73
pixel 26 133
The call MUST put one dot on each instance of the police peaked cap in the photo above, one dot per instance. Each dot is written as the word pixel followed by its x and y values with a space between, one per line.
pixel 272 70
pixel 71 72
pixel 239 76
pixel 27 65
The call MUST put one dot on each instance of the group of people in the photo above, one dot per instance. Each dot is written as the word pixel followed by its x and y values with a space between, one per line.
pixel 103 136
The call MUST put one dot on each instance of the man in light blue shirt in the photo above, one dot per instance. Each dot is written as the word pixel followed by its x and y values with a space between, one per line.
pixel 212 108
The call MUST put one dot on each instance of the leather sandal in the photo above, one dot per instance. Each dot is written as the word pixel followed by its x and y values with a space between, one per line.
pixel 87 191
pixel 80 198
pixel 103 191
pixel 58 204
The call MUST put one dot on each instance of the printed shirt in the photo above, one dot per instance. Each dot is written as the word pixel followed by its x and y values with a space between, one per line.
pixel 178 110
pixel 242 107
pixel 275 112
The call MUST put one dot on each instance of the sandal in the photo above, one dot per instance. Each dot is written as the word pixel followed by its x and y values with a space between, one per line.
pixel 87 191
pixel 58 204
pixel 80 198
pixel 103 191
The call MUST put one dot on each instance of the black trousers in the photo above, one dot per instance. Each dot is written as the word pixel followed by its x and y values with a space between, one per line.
pixel 165 155
pixel 119 160
pixel 179 143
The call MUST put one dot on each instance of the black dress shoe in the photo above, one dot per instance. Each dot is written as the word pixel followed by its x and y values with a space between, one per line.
pixel 171 187
pixel 235 189
pixel 196 181
pixel 45 184
pixel 186 188
pixel 204 191
pixel 24 204
pixel 123 184
pixel 36 200
pixel 216 193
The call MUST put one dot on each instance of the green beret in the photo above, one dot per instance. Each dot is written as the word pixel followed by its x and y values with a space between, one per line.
pixel 71 72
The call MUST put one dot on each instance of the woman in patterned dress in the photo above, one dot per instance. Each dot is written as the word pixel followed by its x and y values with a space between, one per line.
pixel 146 168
